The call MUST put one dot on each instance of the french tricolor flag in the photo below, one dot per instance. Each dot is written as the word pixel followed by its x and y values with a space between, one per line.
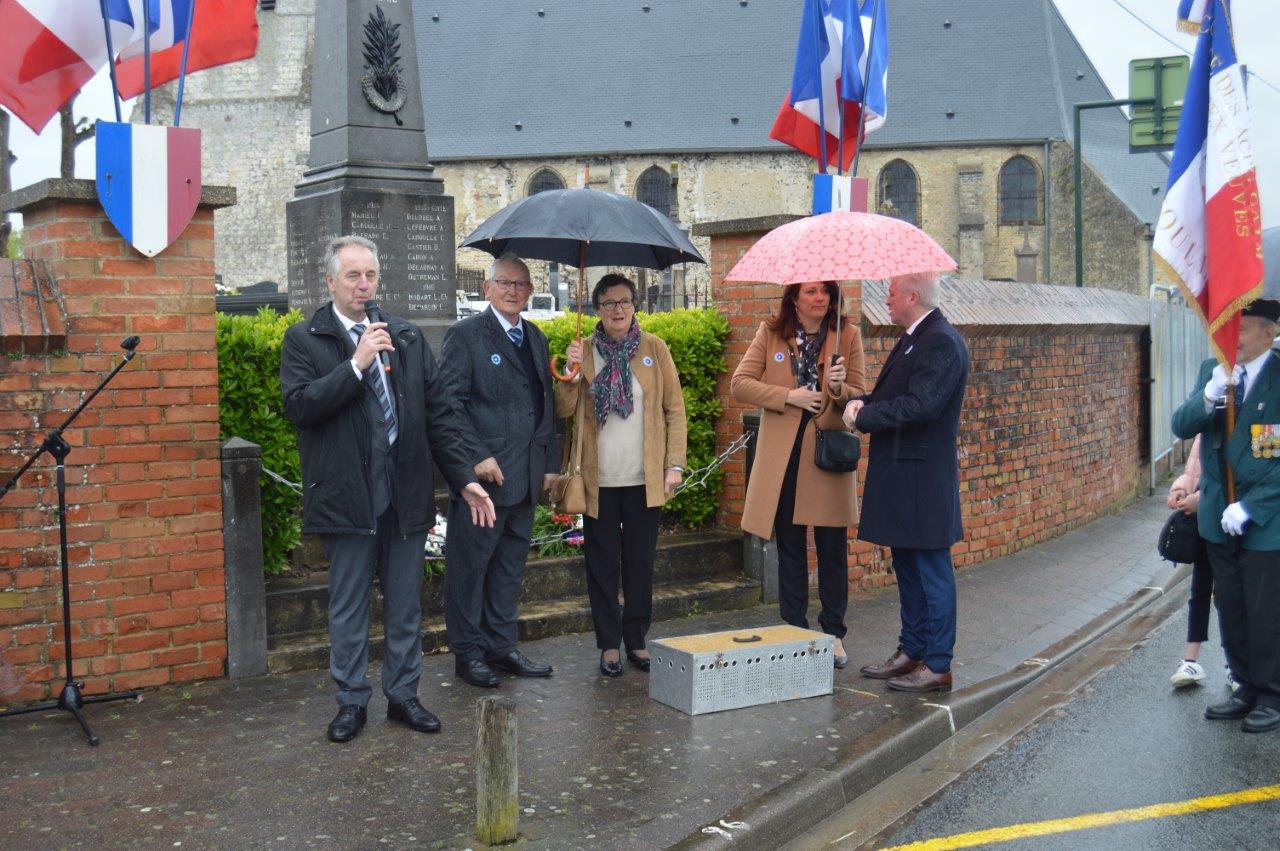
pixel 148 181
pixel 1209 236
pixel 50 48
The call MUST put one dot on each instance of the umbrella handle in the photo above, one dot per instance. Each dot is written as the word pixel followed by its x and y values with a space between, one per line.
pixel 570 375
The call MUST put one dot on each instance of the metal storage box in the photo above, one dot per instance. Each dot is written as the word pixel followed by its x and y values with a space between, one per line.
pixel 729 670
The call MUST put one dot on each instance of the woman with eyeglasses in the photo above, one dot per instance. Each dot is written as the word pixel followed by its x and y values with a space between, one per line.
pixel 633 455
pixel 801 376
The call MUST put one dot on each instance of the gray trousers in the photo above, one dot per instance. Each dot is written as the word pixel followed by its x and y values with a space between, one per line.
pixel 352 560
pixel 483 571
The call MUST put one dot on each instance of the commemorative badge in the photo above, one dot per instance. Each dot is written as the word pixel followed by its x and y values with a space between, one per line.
pixel 1265 440
pixel 495 358
pixel 648 361
pixel 777 357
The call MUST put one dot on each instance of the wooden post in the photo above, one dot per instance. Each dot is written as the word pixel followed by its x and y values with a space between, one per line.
pixel 497 780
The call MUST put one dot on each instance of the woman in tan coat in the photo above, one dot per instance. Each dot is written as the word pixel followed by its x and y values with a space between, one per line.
pixel 633 455
pixel 790 373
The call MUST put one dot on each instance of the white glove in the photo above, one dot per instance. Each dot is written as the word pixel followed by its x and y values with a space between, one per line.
pixel 1216 389
pixel 1234 518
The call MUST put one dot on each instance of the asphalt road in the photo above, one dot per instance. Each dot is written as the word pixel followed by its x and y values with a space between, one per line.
pixel 1125 740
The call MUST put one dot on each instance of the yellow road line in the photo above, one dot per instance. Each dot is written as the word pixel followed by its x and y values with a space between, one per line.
pixel 1064 825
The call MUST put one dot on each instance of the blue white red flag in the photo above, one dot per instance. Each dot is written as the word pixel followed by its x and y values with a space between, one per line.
pixel 50 48
pixel 1209 236
pixel 830 54
pixel 169 20
pixel 222 31
pixel 148 181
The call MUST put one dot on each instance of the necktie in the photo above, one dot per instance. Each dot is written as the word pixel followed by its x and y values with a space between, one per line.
pixel 373 375
pixel 516 334
pixel 1240 386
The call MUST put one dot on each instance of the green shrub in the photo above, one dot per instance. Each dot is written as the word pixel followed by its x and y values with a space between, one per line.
pixel 252 408
pixel 696 339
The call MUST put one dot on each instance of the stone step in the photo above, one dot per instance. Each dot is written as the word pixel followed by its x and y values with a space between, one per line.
pixel 541 619
pixel 298 605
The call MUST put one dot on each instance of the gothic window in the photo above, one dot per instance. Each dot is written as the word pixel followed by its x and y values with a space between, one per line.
pixel 898 192
pixel 654 188
pixel 543 180
pixel 1019 192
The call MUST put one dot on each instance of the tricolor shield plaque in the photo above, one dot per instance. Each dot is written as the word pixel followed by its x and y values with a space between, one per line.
pixel 148 181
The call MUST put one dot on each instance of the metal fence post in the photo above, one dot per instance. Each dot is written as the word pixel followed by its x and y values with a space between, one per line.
pixel 242 547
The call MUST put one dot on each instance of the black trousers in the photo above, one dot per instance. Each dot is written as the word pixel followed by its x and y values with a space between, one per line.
pixel 1247 591
pixel 793 558
pixel 1201 602
pixel 621 540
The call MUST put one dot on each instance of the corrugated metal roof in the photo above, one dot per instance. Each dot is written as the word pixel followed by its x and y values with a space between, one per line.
pixel 558 78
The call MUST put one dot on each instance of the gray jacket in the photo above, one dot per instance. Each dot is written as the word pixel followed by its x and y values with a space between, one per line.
pixel 490 393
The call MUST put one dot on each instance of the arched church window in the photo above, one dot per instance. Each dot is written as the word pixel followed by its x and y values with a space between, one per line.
pixel 898 192
pixel 1019 192
pixel 654 188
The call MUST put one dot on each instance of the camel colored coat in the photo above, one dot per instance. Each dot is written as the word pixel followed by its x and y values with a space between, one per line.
pixel 764 378
pixel 664 423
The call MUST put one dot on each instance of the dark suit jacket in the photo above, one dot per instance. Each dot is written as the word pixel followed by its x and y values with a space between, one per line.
pixel 912 493
pixel 490 391
pixel 1257 479
pixel 325 400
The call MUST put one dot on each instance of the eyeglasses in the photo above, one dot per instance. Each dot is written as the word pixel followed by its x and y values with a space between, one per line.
pixel 625 304
pixel 508 285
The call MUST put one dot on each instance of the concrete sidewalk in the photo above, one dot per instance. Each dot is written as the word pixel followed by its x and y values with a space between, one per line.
pixel 246 764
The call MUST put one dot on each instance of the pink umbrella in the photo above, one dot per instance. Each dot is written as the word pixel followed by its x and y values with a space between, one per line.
pixel 841 246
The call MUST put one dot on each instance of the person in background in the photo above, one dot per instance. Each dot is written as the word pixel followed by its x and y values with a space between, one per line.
pixel 1184 496
pixel 633 456
pixel 799 373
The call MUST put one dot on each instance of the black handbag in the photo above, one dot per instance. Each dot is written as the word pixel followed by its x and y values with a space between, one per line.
pixel 1179 540
pixel 835 450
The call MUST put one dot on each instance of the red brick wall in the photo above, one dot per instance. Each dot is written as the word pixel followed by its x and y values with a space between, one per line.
pixel 1050 434
pixel 145 522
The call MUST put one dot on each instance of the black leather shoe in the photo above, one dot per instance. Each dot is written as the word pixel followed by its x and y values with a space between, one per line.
pixel 1263 719
pixel 414 715
pixel 476 673
pixel 521 665
pixel 610 669
pixel 346 725
pixel 641 662
pixel 1231 709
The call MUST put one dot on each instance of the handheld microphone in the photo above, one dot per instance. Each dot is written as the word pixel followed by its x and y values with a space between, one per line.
pixel 375 315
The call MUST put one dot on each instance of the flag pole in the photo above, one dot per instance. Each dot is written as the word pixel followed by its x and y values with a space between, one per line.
pixel 822 112
pixel 866 86
pixel 111 59
pixel 182 73
pixel 146 61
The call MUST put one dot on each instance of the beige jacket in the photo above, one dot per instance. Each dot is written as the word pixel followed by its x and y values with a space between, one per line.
pixel 664 423
pixel 764 378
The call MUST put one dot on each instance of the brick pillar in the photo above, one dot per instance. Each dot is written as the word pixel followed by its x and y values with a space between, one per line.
pixel 144 500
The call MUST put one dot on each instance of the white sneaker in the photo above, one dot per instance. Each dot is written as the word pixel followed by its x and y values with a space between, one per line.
pixel 1188 674
pixel 1232 682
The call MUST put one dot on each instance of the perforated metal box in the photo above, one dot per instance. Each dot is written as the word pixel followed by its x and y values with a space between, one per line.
pixel 729 670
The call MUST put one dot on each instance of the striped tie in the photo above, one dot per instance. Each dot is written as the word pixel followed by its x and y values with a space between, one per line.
pixel 516 334
pixel 374 375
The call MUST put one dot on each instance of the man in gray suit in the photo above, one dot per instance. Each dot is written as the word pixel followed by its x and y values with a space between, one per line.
pixel 370 405
pixel 496 368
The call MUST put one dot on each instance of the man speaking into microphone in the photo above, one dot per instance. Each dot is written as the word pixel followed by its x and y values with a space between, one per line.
pixel 368 432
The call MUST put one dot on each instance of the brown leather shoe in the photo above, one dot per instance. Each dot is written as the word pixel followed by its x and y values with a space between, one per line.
pixel 920 680
pixel 895 666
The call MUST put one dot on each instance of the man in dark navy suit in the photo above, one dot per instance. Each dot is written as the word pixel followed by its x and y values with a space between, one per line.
pixel 496 366
pixel 911 502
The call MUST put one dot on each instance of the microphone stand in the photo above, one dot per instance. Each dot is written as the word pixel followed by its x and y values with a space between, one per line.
pixel 71 699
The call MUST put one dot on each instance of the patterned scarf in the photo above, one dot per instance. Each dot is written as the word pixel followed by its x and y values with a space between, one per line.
pixel 611 388
pixel 810 348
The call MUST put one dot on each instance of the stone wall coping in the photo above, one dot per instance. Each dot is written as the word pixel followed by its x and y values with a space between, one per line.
pixel 983 306
pixel 59 189
pixel 754 224
pixel 237 448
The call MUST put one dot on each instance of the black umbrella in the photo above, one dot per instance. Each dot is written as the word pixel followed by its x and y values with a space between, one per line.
pixel 584 227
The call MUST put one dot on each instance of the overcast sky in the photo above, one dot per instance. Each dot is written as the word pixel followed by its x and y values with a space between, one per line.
pixel 1110 35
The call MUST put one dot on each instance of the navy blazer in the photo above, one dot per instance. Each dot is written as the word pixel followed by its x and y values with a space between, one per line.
pixel 490 392
pixel 912 493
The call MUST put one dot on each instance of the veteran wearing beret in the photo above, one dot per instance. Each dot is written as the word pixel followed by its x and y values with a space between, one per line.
pixel 1242 534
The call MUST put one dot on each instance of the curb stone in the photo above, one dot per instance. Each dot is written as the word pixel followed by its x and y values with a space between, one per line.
pixel 770 820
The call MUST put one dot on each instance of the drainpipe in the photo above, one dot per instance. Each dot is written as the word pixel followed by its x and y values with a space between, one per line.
pixel 1048 219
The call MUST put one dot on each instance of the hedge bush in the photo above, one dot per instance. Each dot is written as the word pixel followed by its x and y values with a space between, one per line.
pixel 252 408
pixel 697 342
